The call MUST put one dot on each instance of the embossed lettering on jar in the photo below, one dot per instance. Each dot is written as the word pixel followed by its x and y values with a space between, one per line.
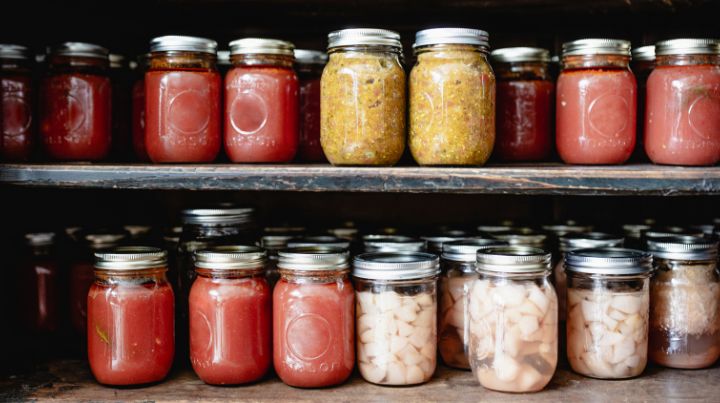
pixel 16 100
pixel 596 103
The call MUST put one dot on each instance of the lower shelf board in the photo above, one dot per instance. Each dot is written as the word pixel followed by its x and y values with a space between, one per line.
pixel 71 381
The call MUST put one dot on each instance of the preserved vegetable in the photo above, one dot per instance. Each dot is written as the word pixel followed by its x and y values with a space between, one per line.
pixel 16 99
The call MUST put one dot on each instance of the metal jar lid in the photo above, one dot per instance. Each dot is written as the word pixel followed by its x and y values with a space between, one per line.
pixel 610 261
pixel 79 49
pixel 513 259
pixel 392 243
pixel 319 240
pixel 706 229
pixel 10 51
pixel 683 248
pixel 117 61
pixel 131 258
pixel 364 37
pixel 522 236
pixel 663 232
pixel 306 56
pixel 563 229
pixel 223 58
pixel 589 240
pixel 596 47
pixel 261 46
pixel 435 243
pixel 313 258
pixel 181 43
pixel 275 242
pixel 465 250
pixel 635 230
pixel 103 240
pixel 494 228
pixel 520 54
pixel 223 213
pixel 451 36
pixel 644 53
pixel 396 265
pixel 40 238
pixel 687 46
pixel 231 257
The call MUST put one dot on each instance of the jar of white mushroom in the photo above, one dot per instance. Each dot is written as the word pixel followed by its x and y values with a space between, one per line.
pixel 685 294
pixel 512 312
pixel 392 243
pixel 608 308
pixel 396 316
pixel 458 271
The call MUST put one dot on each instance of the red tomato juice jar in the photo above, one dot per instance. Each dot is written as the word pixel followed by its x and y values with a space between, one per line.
pixel 261 102
pixel 138 110
pixel 75 107
pixel 596 103
pixel 130 317
pixel 40 285
pixel 313 317
pixel 16 100
pixel 309 65
pixel 524 104
pixel 230 316
pixel 682 120
pixel 182 94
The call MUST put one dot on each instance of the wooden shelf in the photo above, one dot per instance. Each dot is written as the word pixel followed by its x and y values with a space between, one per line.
pixel 547 179
pixel 71 381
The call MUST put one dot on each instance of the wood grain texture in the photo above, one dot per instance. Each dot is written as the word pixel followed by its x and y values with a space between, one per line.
pixel 548 179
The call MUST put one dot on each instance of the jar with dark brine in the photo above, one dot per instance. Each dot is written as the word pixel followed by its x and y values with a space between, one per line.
pixel 682 122
pixel 182 93
pixel 685 310
pixel 138 109
pixel 362 98
pixel 524 104
pixel 75 111
pixel 261 101
pixel 121 82
pixel 40 285
pixel 452 98
pixel 309 65
pixel 596 103
pixel 16 99
pixel 643 63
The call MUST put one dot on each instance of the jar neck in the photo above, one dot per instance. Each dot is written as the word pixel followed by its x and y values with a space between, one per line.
pixel 451 47
pixel 229 273
pixel 535 275
pixel 593 61
pixel 313 277
pixel 687 60
pixel 192 231
pixel 176 60
pixel 307 70
pixel 522 71
pixel 411 282
pixel 15 65
pixel 145 275
pixel 375 49
pixel 284 61
pixel 608 277
pixel 59 64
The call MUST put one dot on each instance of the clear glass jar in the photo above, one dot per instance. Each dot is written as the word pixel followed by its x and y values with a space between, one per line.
pixel 643 63
pixel 596 106
pixel 313 320
pixel 396 316
pixel 392 243
pixel 607 311
pixel 685 295
pixel 75 103
pixel 457 263
pixel 230 316
pixel 130 317
pixel 555 231
pixel 682 125
pixel 512 314
pixel 17 101
pixel 40 285
pixel 309 65
pixel 362 98
pixel 452 98
pixel 261 101
pixel 182 100
pixel 524 104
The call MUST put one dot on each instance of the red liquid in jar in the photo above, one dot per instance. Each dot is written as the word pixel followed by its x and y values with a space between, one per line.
pixel 182 115
pixel 40 296
pixel 138 120
pixel 524 110
pixel 261 114
pixel 682 125
pixel 310 149
pixel 313 333
pixel 76 116
pixel 81 279
pixel 230 329
pixel 130 333
pixel 17 117
pixel 596 116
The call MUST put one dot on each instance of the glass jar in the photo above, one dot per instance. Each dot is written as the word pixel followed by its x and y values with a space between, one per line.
pixel 230 316
pixel 392 243
pixel 327 241
pixel 272 245
pixel 138 109
pixel 309 65
pixel 182 110
pixel 40 285
pixel 130 317
pixel 396 316
pixel 512 313
pixel 313 320
pixel 452 98
pixel 685 294
pixel 523 236
pixel 434 244
pixel 608 305
pixel 525 99
pixel 556 231
pixel 643 63
pixel 16 96
pixel 261 102
pixel 75 111
pixel 458 271
pixel 362 98
pixel 121 82
pixel 596 103
pixel 633 235
pixel 223 62
pixel 656 232
pixel 682 122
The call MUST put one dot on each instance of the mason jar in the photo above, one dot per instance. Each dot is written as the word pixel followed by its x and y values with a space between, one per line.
pixel 434 243
pixel 523 236
pixel 392 243
pixel 17 100
pixel 685 295
pixel 643 63
pixel 608 305
pixel 512 313
pixel 328 241
pixel 309 65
